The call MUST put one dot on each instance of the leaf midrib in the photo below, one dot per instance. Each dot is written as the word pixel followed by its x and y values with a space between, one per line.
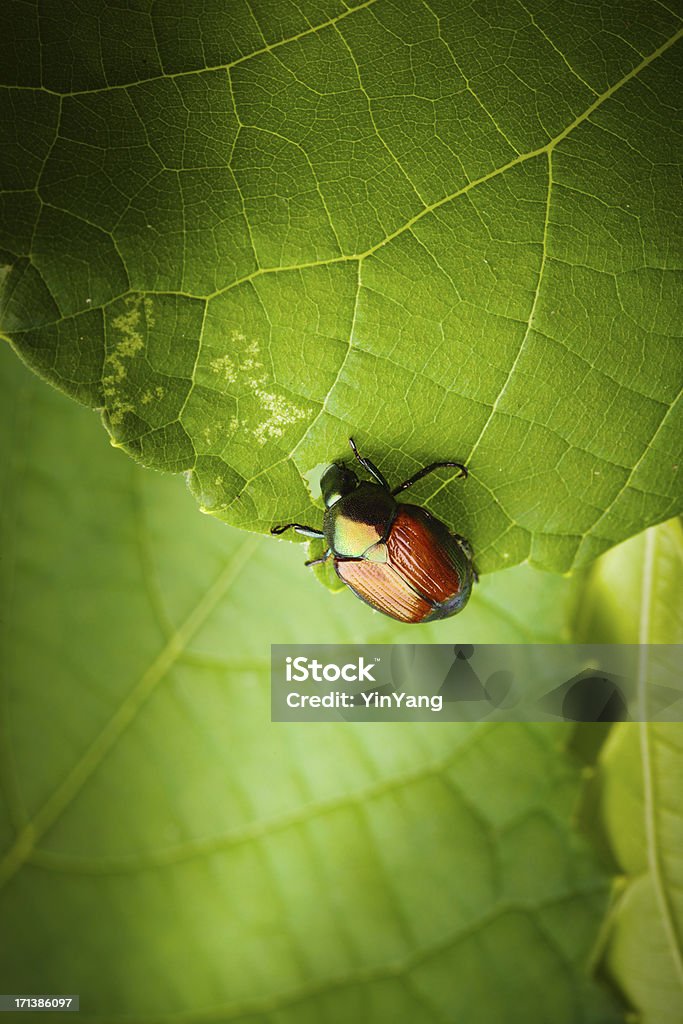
pixel 653 845
pixel 64 794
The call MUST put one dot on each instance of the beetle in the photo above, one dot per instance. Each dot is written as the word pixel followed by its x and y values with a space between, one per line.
pixel 398 558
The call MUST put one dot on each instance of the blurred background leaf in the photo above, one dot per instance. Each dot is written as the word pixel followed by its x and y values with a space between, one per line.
pixel 249 231
pixel 634 594
pixel 171 854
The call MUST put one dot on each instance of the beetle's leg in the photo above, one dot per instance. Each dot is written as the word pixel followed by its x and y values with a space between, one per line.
pixel 369 466
pixel 467 548
pixel 429 469
pixel 464 544
pixel 305 531
pixel 318 561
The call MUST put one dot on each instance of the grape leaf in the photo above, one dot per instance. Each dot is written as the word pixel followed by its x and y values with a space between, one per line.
pixel 248 232
pixel 170 854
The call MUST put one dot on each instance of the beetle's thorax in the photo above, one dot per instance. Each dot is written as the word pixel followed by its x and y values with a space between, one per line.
pixel 359 520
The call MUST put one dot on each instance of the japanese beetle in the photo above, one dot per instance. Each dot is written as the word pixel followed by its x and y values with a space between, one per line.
pixel 397 558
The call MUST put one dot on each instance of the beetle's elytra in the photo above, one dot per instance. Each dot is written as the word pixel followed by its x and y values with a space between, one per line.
pixel 397 558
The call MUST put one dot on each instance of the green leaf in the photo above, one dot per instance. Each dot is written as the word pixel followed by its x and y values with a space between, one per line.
pixel 632 594
pixel 635 592
pixel 173 856
pixel 249 232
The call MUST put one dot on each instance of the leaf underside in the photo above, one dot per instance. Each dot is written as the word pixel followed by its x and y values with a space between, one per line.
pixel 248 232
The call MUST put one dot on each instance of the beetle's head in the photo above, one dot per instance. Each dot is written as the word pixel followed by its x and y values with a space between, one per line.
pixel 336 481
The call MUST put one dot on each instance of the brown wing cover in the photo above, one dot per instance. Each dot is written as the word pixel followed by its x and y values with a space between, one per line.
pixel 422 550
pixel 383 588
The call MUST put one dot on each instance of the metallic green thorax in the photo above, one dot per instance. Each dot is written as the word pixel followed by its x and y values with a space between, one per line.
pixel 359 520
